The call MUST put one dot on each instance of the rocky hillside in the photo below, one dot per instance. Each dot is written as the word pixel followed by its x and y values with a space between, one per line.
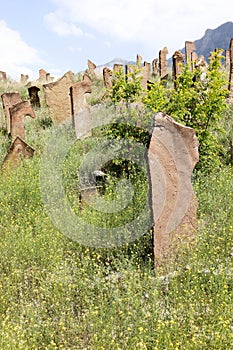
pixel 214 38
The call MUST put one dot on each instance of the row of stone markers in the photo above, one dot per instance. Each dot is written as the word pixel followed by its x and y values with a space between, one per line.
pixel 15 112
pixel 65 99
pixel 172 148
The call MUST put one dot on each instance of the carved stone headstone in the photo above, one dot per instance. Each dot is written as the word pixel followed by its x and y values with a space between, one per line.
pixel 58 99
pixel 163 62
pixel 189 48
pixel 155 68
pixel 172 155
pixel 18 150
pixel 117 67
pixel 230 86
pixel 8 100
pixel 227 60
pixel 42 75
pixel 80 109
pixel 143 74
pixel 177 61
pixel 24 79
pixel 148 69
pixel 18 112
pixel 3 77
pixel 139 60
pixel 91 67
pixel 34 97
pixel 107 76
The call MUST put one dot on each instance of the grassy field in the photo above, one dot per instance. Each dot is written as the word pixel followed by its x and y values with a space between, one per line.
pixel 56 293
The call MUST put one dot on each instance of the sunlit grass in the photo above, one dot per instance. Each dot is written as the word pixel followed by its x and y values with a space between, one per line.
pixel 58 294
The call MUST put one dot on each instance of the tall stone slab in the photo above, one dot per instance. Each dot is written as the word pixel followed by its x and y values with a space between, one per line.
pixel 163 62
pixel 18 112
pixel 107 76
pixel 177 62
pixel 227 60
pixel 91 67
pixel 34 96
pixel 3 77
pixel 155 68
pixel 24 79
pixel 190 47
pixel 117 67
pixel 9 99
pixel 230 86
pixel 172 155
pixel 139 60
pixel 80 109
pixel 58 99
pixel 18 151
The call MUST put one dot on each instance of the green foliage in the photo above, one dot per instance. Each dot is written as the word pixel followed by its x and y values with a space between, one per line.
pixel 125 87
pixel 198 102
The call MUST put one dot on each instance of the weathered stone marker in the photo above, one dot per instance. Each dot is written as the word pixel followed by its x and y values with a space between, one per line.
pixel 230 86
pixel 9 99
pixel 91 68
pixel 58 99
pixel 172 155
pixel 189 48
pixel 34 97
pixel 24 79
pixel 3 76
pixel 80 109
pixel 177 60
pixel 107 76
pixel 163 62
pixel 18 113
pixel 227 60
pixel 139 60
pixel 18 150
pixel 155 68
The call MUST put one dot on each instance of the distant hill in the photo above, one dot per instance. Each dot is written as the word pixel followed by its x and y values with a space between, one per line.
pixel 99 69
pixel 218 38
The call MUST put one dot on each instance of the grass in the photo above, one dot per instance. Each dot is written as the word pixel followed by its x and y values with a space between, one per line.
pixel 56 293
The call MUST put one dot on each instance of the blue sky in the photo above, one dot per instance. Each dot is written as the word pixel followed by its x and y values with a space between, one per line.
pixel 60 35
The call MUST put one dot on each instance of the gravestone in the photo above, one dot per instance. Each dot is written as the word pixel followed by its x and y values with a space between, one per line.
pixel 177 62
pixel 80 109
pixel 107 76
pixel 155 68
pixel 18 150
pixel 163 63
pixel 34 97
pixel 147 69
pixel 58 99
pixel 230 86
pixel 117 67
pixel 3 77
pixel 42 76
pixel 227 60
pixel 18 112
pixel 91 67
pixel 189 48
pixel 139 61
pixel 172 155
pixel 143 73
pixel 8 100
pixel 24 79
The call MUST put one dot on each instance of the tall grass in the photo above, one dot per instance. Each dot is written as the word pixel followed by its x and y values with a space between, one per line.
pixel 56 293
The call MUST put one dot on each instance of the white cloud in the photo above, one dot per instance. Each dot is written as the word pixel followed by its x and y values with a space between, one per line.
pixel 59 26
pixel 150 23
pixel 18 56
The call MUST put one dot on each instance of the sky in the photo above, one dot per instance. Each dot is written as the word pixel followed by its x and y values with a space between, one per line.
pixel 61 35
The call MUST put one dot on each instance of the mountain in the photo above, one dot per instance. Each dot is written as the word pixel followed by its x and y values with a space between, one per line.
pixel 218 38
pixel 99 69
